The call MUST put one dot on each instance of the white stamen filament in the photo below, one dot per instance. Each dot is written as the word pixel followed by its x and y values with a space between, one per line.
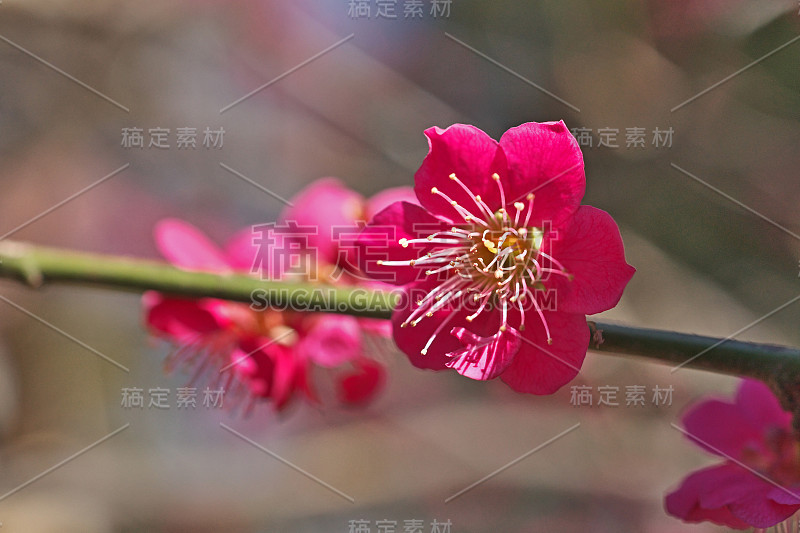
pixel 530 198
pixel 492 258
pixel 436 332
pixel 496 178
pixel 436 306
pixel 478 201
pixel 463 211
pixel 428 306
pixel 541 315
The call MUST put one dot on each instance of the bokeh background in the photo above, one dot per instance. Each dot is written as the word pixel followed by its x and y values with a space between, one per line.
pixel 705 264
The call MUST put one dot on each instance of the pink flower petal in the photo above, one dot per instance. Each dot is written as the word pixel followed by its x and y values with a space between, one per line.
pixel 686 502
pixel 722 425
pixel 254 368
pixel 321 207
pixel 380 242
pixel 785 495
pixel 731 484
pixel 544 158
pixel 240 251
pixel 287 369
pixel 387 197
pixel 304 384
pixel 361 385
pixel 539 368
pixel 484 358
pixel 332 341
pixel 472 156
pixel 739 428
pixel 186 246
pixel 182 319
pixel 761 407
pixel 755 430
pixel 412 339
pixel 591 250
pixel 268 369
pixel 757 509
pixel 376 326
pixel 256 250
pixel 730 495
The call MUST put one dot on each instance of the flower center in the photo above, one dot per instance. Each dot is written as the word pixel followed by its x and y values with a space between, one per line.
pixel 268 324
pixel 504 253
pixel 496 258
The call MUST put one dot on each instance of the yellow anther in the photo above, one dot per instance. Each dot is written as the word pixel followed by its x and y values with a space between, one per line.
pixel 403 242
pixel 434 190
pixel 496 176
pixel 519 205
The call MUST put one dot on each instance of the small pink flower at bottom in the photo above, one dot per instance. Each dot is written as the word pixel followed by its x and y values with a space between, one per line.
pixel 252 354
pixel 499 260
pixel 758 484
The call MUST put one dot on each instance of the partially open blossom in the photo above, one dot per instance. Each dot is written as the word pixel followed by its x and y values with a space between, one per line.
pixel 499 260
pixel 266 353
pixel 329 215
pixel 327 218
pixel 758 483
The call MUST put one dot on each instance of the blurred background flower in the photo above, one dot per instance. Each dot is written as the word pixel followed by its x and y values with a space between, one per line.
pixel 756 484
pixel 637 80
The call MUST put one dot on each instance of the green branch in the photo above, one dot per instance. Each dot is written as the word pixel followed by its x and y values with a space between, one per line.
pixel 37 266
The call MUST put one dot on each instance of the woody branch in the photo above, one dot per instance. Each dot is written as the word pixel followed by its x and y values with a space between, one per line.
pixel 37 266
